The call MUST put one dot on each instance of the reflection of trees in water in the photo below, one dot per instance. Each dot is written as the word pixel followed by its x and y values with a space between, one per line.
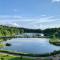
pixel 1 42
pixel 5 39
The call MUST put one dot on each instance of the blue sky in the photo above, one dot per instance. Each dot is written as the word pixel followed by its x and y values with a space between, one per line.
pixel 30 13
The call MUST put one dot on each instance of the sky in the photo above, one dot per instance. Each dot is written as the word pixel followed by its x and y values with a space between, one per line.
pixel 30 13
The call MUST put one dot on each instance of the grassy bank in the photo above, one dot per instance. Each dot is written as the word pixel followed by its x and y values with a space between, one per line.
pixel 30 55
pixel 2 45
pixel 55 41
pixel 10 57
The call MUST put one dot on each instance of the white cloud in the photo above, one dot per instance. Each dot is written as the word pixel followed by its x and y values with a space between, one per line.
pixel 14 24
pixel 30 22
pixel 55 0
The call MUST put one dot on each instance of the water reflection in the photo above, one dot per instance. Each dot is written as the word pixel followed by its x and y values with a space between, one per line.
pixel 31 45
pixel 2 45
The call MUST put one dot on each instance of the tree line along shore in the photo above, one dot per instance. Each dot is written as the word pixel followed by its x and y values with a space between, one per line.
pixel 8 31
pixel 11 31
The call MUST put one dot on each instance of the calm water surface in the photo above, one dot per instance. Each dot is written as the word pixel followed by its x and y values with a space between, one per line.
pixel 31 45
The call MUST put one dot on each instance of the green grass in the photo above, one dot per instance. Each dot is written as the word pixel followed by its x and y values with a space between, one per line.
pixel 1 40
pixel 2 45
pixel 9 57
pixel 56 40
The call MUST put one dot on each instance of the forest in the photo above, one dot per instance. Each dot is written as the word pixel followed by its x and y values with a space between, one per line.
pixel 9 31
pixel 12 31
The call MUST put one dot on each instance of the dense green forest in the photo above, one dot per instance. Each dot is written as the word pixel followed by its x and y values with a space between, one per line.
pixel 12 31
pixel 9 31
pixel 26 30
pixel 52 32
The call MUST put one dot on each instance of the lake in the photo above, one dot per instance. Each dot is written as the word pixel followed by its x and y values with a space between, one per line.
pixel 30 45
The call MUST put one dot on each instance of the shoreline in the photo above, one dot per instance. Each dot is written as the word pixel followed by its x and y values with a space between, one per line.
pixel 31 55
pixel 55 41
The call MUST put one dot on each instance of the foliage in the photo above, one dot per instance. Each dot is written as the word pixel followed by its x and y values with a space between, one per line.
pixel 52 32
pixel 9 31
pixel 9 57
